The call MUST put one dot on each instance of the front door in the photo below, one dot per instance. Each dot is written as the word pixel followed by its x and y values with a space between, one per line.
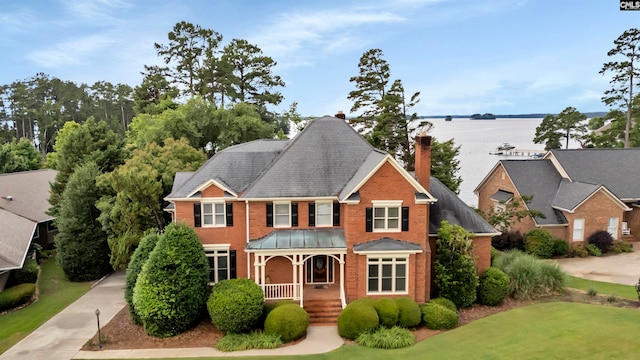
pixel 319 269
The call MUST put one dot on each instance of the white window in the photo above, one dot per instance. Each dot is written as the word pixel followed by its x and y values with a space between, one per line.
pixel 613 227
pixel 219 263
pixel 213 214
pixel 282 214
pixel 578 230
pixel 386 218
pixel 387 275
pixel 324 213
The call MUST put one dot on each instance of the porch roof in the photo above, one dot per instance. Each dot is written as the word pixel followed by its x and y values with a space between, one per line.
pixel 387 244
pixel 300 239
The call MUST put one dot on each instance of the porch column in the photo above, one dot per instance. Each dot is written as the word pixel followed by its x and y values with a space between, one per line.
pixel 342 296
pixel 294 268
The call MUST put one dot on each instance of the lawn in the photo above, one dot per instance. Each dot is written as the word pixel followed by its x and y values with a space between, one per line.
pixel 551 330
pixel 623 291
pixel 56 293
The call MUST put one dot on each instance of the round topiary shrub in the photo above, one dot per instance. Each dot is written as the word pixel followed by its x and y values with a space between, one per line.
pixel 171 290
pixel 289 321
pixel 601 239
pixel 364 301
pixel 445 302
pixel 235 305
pixel 493 287
pixel 539 242
pixel 16 295
pixel 388 312
pixel 560 247
pixel 268 307
pixel 410 315
pixel 356 319
pixel 147 243
pixel 438 317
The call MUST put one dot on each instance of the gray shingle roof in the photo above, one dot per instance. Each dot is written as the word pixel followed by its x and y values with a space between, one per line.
pixel 300 239
pixel 29 191
pixel 617 169
pixel 451 208
pixel 571 194
pixel 319 161
pixel 15 238
pixel 540 179
pixel 502 195
pixel 387 244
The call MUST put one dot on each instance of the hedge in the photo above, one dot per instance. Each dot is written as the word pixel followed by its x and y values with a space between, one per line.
pixel 140 256
pixel 16 295
pixel 236 305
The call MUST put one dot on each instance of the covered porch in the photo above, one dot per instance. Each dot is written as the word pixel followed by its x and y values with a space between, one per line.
pixel 300 264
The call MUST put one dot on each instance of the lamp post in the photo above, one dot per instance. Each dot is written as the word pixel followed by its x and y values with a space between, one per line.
pixel 99 335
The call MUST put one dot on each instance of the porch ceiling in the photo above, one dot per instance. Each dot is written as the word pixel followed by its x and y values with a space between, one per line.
pixel 300 239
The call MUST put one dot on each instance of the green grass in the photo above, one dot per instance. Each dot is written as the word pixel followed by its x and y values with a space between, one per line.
pixel 552 330
pixel 56 293
pixel 622 291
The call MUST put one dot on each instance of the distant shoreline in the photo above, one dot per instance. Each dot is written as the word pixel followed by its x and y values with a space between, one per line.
pixel 511 116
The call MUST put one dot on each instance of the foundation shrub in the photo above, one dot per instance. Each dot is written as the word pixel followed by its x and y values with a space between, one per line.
pixel 438 317
pixel 410 315
pixel 140 256
pixel 539 242
pixel 388 312
pixel 560 247
pixel 508 240
pixel 594 250
pixel 444 302
pixel 236 305
pixel 289 321
pixel 356 319
pixel 27 275
pixel 16 295
pixel 621 247
pixel 601 239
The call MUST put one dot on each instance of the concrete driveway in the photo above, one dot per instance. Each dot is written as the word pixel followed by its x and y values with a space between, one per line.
pixel 620 269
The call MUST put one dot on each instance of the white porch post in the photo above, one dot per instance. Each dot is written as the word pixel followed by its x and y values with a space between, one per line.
pixel 294 269
pixel 301 287
pixel 342 296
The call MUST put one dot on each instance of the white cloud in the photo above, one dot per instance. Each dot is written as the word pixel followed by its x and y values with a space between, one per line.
pixel 74 52
pixel 18 21
pixel 96 10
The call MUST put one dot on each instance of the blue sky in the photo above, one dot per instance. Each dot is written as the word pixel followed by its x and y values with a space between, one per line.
pixel 499 56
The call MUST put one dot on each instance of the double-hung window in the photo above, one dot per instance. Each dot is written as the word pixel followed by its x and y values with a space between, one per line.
pixel 221 262
pixel 612 228
pixel 386 215
pixel 387 275
pixel 282 214
pixel 578 230
pixel 213 214
pixel 324 216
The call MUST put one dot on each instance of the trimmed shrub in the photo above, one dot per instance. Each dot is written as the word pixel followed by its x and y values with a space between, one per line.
pixel 508 241
pixel 27 275
pixel 268 307
pixel 388 312
pixel 493 287
pixel 494 253
pixel 456 276
pixel 364 301
pixel 235 305
pixel 387 338
pixel 530 277
pixel 410 315
pixel 602 240
pixel 539 242
pixel 560 247
pixel 621 247
pixel 578 251
pixel 289 321
pixel 445 302
pixel 147 243
pixel 438 317
pixel 16 295
pixel 593 250
pixel 254 340
pixel 356 319
pixel 171 290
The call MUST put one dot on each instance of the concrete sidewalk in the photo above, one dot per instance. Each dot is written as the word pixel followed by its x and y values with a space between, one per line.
pixel 620 269
pixel 320 339
pixel 63 335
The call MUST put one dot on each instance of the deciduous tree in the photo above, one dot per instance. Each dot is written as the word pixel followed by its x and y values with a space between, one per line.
pixel 19 156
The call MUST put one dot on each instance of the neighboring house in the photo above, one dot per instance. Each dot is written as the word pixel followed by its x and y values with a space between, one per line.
pixel 322 215
pixel 23 219
pixel 579 191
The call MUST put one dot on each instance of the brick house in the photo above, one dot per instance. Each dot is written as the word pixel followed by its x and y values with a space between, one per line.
pixel 580 191
pixel 322 216
pixel 23 218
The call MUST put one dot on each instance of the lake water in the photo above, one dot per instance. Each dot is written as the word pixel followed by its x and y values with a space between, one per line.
pixel 477 139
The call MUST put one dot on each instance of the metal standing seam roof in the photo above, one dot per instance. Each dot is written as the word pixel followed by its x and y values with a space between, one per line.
pixel 388 244
pixel 329 238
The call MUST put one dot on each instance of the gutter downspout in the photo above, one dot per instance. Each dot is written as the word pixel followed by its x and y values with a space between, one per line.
pixel 246 204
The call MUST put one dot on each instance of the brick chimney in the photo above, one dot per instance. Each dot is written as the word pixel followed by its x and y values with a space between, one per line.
pixel 423 159
pixel 341 115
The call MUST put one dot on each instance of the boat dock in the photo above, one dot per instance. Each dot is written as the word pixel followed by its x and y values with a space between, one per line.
pixel 519 152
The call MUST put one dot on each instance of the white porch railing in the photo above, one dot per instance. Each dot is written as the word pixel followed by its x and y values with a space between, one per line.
pixel 280 291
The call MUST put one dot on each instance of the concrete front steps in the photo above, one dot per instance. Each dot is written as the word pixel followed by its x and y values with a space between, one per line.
pixel 323 312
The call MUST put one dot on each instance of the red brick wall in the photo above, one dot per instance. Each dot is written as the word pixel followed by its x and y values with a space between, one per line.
pixel 596 212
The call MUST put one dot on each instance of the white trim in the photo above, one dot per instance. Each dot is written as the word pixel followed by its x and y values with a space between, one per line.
pixel 213 247
pixel 275 205
pixel 381 203
pixel 556 164
pixel 213 215
pixel 291 199
pixel 394 262
pixel 411 180
pixel 216 184
pixel 388 253
pixel 573 232
pixel 323 202
pixel 386 205
pixel 286 252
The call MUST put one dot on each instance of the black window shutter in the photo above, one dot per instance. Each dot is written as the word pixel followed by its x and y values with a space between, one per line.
pixel 269 214
pixel 197 215
pixel 294 214
pixel 229 214
pixel 232 264
pixel 336 214
pixel 405 218
pixel 369 219
pixel 312 214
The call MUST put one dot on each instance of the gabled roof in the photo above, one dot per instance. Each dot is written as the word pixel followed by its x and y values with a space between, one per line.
pixel 570 195
pixel 15 238
pixel 540 179
pixel 29 193
pixel 617 169
pixel 455 211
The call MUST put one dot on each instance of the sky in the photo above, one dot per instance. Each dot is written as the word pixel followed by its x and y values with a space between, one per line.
pixel 463 56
